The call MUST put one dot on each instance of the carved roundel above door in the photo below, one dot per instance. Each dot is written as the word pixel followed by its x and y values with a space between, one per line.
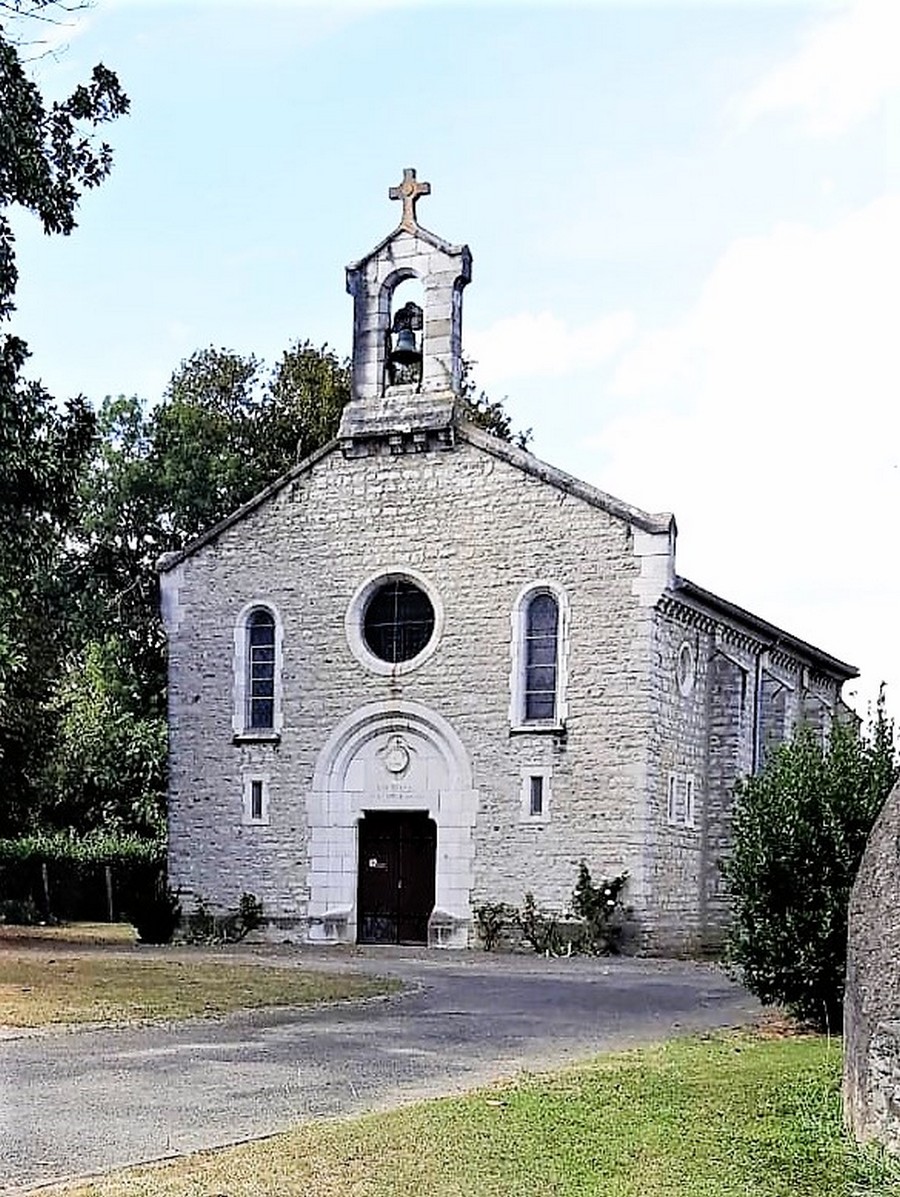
pixel 394 621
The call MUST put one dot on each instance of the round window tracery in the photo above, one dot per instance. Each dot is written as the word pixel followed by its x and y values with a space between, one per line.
pixel 394 621
pixel 398 621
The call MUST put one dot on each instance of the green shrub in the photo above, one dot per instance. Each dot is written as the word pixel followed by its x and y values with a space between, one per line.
pixel 19 912
pixel 492 921
pixel 798 833
pixel 204 925
pixel 601 912
pixel 155 913
pixel 539 928
pixel 66 876
pixel 96 847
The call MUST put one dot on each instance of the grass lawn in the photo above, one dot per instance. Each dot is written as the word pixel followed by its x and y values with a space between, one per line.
pixel 727 1117
pixel 40 986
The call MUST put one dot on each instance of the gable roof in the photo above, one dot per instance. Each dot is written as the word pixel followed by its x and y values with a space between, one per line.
pixel 699 599
pixel 518 458
pixel 432 239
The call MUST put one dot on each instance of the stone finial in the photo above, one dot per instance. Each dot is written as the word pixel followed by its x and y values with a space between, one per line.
pixel 409 191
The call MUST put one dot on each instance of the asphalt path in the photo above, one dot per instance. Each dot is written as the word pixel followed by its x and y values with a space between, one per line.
pixel 80 1102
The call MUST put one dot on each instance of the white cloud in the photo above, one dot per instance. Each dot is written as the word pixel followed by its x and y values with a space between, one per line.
pixel 768 419
pixel 541 344
pixel 845 68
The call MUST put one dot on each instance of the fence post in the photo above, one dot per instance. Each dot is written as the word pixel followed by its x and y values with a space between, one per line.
pixel 109 895
pixel 45 879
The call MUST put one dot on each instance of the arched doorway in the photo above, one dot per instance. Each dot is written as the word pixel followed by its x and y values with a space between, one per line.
pixel 387 772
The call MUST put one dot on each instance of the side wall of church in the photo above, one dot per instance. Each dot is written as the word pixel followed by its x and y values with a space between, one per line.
pixel 715 722
pixel 479 530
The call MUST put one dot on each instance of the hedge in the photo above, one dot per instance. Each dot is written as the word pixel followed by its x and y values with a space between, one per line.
pixel 61 876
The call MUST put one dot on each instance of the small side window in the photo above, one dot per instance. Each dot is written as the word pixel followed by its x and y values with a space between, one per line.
pixel 255 800
pixel 689 811
pixel 672 799
pixel 534 796
pixel 536 806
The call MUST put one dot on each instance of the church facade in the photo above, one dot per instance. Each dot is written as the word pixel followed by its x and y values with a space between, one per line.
pixel 425 670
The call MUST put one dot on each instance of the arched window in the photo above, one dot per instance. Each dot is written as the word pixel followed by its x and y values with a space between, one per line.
pixel 260 690
pixel 541 651
pixel 538 657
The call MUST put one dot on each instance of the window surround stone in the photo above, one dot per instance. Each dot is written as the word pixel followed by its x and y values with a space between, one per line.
pixel 353 620
pixel 248 777
pixel 517 720
pixel 545 772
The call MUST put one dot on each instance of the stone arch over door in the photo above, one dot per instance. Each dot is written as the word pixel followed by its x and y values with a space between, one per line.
pixel 390 756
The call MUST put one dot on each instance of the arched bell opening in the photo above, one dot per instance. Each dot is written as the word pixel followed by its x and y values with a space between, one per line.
pixel 404 334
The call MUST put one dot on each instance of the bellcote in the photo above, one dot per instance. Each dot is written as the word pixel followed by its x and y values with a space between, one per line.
pixel 407 331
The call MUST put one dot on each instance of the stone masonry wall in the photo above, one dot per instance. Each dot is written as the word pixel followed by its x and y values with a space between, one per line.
pixel 677 767
pixel 479 530
pixel 709 730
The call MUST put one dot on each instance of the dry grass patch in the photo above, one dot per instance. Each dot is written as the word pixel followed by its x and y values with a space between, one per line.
pixel 721 1118
pixel 40 987
pixel 115 934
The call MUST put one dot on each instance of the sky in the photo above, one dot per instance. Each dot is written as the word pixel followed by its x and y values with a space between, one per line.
pixel 684 220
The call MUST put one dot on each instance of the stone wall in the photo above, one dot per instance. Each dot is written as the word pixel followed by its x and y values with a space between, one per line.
pixel 479 529
pixel 711 727
pixel 872 995
pixel 665 706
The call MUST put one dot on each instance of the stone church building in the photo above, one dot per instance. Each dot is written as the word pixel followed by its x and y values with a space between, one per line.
pixel 425 670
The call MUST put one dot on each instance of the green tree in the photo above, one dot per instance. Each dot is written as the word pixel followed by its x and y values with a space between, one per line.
pixel 489 414
pixel 799 830
pixel 48 158
pixel 106 763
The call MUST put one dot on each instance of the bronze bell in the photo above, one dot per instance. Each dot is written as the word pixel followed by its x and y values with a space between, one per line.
pixel 406 352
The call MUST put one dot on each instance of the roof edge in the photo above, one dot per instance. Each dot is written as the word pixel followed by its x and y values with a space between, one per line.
pixel 778 637
pixel 433 240
pixel 169 561
pixel 661 522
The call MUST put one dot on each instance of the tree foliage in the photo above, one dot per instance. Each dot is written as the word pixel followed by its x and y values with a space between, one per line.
pixel 799 831
pixel 48 157
pixel 489 414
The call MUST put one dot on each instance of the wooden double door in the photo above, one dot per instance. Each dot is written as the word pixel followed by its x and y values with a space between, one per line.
pixel 395 896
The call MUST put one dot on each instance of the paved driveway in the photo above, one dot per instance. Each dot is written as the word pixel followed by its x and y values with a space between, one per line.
pixel 80 1102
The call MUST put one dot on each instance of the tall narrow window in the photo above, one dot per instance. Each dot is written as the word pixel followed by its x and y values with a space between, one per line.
pixel 689 806
pixel 536 795
pixel 541 649
pixel 672 798
pixel 256 799
pixel 260 669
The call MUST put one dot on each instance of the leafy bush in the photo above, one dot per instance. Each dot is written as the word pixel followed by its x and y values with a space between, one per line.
pixel 204 925
pixel 600 909
pixel 156 913
pixel 67 876
pixel 799 831
pixel 539 928
pixel 492 919
pixel 19 912
pixel 96 847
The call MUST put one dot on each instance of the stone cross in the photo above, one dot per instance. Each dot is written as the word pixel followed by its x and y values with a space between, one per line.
pixel 409 191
